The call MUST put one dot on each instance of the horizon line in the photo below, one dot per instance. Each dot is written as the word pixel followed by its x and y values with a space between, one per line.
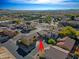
pixel 41 9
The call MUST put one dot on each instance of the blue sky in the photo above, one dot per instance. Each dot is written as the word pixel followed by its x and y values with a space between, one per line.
pixel 39 4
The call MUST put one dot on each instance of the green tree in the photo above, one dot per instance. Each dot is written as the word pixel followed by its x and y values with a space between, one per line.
pixel 67 31
pixel 18 21
pixel 48 19
pixel 51 41
pixel 72 17
pixel 77 33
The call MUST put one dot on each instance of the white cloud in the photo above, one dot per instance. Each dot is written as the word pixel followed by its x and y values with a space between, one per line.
pixel 39 1
pixel 49 1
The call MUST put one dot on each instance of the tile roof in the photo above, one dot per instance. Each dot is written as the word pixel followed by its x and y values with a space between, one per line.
pixel 5 54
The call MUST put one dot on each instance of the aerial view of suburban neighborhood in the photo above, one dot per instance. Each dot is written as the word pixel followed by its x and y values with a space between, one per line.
pixel 39 29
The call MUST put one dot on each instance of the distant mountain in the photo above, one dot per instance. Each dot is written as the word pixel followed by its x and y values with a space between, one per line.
pixel 41 10
pixel 76 11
